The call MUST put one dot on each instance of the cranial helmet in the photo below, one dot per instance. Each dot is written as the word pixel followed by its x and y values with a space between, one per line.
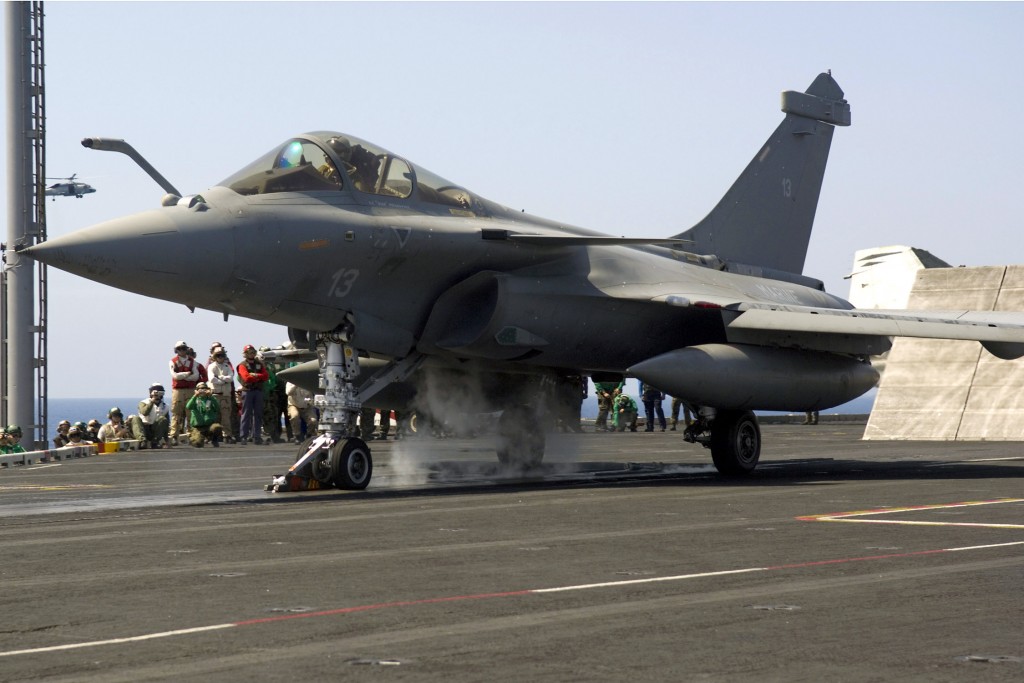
pixel 341 145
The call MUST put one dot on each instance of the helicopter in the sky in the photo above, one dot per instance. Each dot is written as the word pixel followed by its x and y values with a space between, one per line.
pixel 69 187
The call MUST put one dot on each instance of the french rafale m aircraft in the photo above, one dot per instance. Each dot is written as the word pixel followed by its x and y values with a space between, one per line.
pixel 359 252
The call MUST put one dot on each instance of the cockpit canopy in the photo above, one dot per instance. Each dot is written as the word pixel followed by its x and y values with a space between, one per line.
pixel 326 161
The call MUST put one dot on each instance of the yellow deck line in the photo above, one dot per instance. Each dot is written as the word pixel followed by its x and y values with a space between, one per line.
pixel 848 516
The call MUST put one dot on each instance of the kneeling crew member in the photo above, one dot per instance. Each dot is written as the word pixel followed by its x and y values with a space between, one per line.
pixel 151 424
pixel 204 411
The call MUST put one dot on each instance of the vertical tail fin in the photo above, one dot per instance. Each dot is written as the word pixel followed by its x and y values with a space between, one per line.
pixel 765 218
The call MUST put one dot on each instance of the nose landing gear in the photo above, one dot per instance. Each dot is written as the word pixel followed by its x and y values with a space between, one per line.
pixel 336 457
pixel 325 462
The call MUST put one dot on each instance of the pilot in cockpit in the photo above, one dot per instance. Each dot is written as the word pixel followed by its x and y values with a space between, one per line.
pixel 360 164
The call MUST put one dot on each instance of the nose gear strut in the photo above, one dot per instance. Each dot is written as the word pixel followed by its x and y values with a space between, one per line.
pixel 335 457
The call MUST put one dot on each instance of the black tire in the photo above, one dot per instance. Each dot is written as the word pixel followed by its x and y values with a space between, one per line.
pixel 735 442
pixel 351 463
pixel 319 466
pixel 520 438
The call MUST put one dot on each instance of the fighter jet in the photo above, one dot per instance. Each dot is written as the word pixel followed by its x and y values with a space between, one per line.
pixel 363 254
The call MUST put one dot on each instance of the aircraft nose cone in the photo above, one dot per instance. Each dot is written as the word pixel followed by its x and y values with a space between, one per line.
pixel 165 253
pixel 113 251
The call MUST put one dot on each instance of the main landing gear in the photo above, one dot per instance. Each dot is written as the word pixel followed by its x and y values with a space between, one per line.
pixel 733 436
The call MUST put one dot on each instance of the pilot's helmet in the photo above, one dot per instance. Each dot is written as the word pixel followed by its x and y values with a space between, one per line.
pixel 341 146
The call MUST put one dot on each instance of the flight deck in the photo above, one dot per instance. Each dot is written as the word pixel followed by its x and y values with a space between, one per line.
pixel 625 556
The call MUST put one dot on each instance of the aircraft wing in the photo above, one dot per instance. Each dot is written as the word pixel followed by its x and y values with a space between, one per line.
pixel 561 240
pixel 1000 332
pixel 587 240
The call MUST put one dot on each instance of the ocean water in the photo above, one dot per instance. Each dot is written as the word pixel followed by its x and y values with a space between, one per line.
pixel 85 409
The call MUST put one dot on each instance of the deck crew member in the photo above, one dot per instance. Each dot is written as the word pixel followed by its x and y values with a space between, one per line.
pixel 184 375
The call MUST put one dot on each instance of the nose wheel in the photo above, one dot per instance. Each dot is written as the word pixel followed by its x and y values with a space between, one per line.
pixel 324 462
pixel 351 464
pixel 320 466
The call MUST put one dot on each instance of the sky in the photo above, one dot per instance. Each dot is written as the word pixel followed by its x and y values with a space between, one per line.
pixel 628 118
